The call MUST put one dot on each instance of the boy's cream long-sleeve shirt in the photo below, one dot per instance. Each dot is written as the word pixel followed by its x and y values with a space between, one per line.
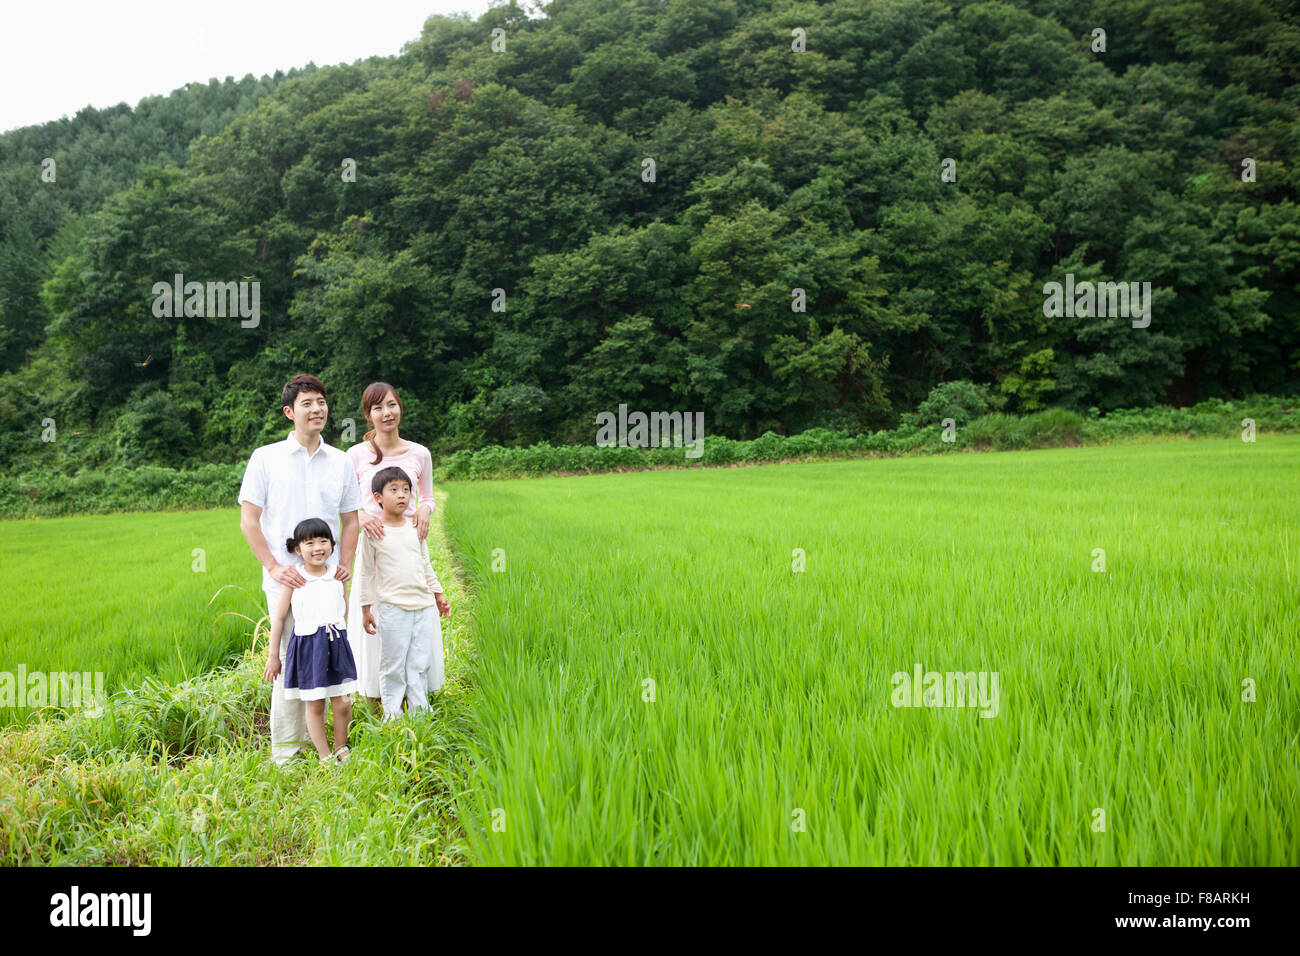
pixel 398 570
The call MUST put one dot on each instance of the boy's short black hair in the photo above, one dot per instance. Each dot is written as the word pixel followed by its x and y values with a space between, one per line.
pixel 384 475
pixel 307 529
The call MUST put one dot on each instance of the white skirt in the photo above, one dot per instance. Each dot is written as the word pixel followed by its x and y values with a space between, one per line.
pixel 365 647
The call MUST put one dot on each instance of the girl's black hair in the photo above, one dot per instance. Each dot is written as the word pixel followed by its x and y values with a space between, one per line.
pixel 307 529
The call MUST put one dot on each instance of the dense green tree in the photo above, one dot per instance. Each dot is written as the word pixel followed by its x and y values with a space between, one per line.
pixel 22 314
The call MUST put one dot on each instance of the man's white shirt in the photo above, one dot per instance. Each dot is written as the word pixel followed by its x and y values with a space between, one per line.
pixel 290 485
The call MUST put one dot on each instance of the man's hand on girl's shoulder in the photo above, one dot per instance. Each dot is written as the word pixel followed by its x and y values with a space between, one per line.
pixel 342 574
pixel 287 575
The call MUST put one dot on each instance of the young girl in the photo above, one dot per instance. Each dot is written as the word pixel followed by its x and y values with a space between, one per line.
pixel 318 663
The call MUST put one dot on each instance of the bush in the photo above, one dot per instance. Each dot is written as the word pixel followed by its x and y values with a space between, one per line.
pixel 721 451
pixel 1054 427
pixel 962 401
pixel 10 497
pixel 1050 427
pixel 766 447
pixel 994 430
pixel 149 488
pixel 156 430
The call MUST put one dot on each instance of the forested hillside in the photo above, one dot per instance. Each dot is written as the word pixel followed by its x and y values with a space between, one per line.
pixel 53 174
pixel 628 201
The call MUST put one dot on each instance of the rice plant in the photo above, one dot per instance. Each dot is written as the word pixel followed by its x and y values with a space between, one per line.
pixel 133 596
pixel 701 667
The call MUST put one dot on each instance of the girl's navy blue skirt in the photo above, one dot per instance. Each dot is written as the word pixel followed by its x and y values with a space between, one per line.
pixel 319 665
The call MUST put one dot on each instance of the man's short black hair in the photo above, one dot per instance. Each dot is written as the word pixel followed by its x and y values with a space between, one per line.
pixel 384 475
pixel 301 383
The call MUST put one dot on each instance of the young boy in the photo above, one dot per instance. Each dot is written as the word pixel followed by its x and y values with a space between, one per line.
pixel 402 588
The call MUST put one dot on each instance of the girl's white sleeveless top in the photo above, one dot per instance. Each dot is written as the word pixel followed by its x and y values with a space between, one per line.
pixel 319 601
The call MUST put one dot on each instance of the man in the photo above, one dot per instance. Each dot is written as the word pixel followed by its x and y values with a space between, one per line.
pixel 284 483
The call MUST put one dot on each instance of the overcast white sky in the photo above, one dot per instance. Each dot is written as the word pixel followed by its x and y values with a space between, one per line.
pixel 57 57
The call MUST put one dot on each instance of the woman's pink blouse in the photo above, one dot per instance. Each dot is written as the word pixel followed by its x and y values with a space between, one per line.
pixel 415 461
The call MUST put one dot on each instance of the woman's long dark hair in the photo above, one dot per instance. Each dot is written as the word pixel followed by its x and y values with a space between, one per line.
pixel 372 396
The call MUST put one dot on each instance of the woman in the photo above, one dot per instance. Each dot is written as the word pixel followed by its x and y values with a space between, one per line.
pixel 383 447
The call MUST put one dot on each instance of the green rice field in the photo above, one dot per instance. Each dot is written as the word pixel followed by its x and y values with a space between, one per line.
pixel 772 739
pixel 126 595
pixel 702 667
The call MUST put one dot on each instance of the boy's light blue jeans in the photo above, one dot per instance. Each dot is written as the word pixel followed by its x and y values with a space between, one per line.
pixel 406 647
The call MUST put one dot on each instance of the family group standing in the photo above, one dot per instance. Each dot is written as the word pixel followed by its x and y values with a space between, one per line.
pixel 303 506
